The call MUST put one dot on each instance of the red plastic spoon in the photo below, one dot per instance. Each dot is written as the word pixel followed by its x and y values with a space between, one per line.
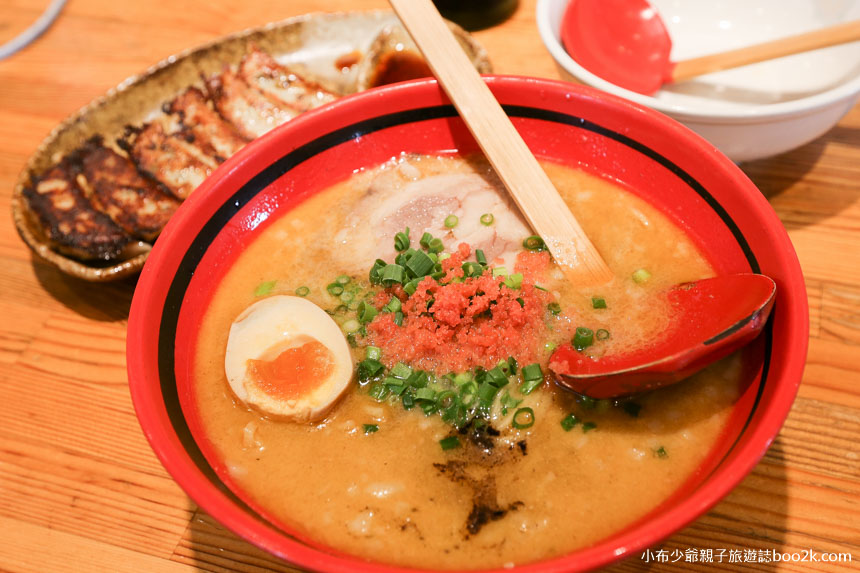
pixel 625 42
pixel 712 318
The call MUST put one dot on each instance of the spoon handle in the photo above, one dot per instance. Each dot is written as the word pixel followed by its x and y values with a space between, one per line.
pixel 518 169
pixel 830 36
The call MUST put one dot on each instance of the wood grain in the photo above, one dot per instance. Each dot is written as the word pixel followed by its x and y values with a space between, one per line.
pixel 80 489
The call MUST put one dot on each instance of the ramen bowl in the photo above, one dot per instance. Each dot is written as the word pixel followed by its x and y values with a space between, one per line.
pixel 750 112
pixel 655 157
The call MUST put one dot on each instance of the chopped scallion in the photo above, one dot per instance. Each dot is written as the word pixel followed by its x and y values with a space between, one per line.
pixel 598 302
pixel 582 338
pixel 588 426
pixel 303 291
pixel 350 326
pixel 514 281
pixel 392 274
pixel 435 245
pixel 373 353
pixel 264 288
pixel 419 264
pixel 393 305
pixel 500 272
pixel 487 219
pixel 641 275
pixel 554 308
pixel 370 428
pixel 401 241
pixel 523 418
pixel 601 334
pixel 451 221
pixel 401 370
pixel 472 269
pixel 347 296
pixel 449 443
pixel 369 368
pixel 365 312
pixel 532 378
pixel 480 257
pixel 661 452
pixel 343 280
pixel 534 243
pixel 334 289
pixel 568 422
pixel 425 240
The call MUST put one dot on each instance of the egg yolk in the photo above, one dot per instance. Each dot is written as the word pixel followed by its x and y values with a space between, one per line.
pixel 295 372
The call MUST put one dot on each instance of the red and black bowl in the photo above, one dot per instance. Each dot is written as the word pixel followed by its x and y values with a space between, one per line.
pixel 656 157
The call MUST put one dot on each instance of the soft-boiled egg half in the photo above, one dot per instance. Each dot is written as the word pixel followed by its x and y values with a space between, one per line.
pixel 286 357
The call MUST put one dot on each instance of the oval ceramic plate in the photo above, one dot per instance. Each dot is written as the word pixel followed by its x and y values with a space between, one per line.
pixel 309 45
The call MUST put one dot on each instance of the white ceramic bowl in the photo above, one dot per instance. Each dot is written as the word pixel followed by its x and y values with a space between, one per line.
pixel 751 112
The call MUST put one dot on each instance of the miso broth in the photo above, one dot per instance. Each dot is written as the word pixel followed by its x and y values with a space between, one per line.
pixel 374 479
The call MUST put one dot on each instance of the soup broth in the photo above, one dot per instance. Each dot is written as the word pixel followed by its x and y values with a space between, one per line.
pixel 403 487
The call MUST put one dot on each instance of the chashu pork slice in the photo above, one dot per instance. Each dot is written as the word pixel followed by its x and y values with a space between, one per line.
pixel 250 110
pixel 170 158
pixel 115 186
pixel 206 129
pixel 69 221
pixel 260 69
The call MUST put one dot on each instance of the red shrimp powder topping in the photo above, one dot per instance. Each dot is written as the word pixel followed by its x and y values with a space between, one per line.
pixel 476 321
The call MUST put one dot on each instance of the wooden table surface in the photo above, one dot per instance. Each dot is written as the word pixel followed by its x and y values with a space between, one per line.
pixel 80 489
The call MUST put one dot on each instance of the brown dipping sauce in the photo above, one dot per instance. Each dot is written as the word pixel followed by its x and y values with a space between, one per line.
pixel 396 67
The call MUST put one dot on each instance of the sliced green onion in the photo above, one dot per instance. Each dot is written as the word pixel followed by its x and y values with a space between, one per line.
pixel 487 219
pixel 587 402
pixel 412 286
pixel 376 271
pixel 549 346
pixel 462 378
pixel 334 289
pixel 661 452
pixel 365 312
pixel 582 338
pixel 264 288
pixel 370 428
pixel 500 272
pixel 378 391
pixel 508 401
pixel 449 443
pixel 534 243
pixel 401 241
pixel 418 379
pixel 392 274
pixel 451 221
pixel 514 281
pixel 398 318
pixel 443 256
pixel 425 240
pixel 436 246
pixel 539 287
pixel 598 302
pixel 486 394
pixel 425 394
pixel 468 393
pixel 497 377
pixel 601 334
pixel 472 269
pixel 640 276
pixel 568 422
pixel 303 291
pixel 408 401
pixel 343 280
pixel 369 368
pixel 523 418
pixel 347 296
pixel 419 264
pixel 401 370
pixel 554 308
pixel 480 257
pixel 350 326
pixel 532 378
pixel 373 353
pixel 393 305
pixel 588 426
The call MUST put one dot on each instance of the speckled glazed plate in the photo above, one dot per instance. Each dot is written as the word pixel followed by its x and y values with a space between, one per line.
pixel 314 46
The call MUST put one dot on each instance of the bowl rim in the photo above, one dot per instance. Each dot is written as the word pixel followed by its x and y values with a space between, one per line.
pixel 799 107
pixel 148 309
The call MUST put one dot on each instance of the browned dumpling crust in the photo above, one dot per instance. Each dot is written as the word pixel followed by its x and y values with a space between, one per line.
pixel 169 158
pixel 203 126
pixel 69 221
pixel 135 203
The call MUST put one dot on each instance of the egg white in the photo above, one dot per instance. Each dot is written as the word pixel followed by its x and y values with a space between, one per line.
pixel 271 326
